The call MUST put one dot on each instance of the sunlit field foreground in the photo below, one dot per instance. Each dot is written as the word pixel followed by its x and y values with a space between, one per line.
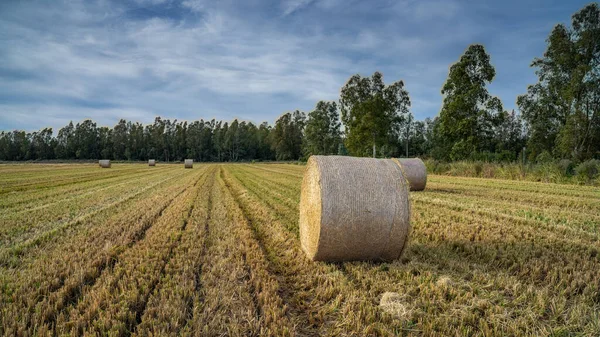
pixel 138 250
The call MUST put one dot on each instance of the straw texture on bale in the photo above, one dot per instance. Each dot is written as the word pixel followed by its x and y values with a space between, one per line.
pixel 104 163
pixel 152 162
pixel 353 209
pixel 415 172
pixel 189 163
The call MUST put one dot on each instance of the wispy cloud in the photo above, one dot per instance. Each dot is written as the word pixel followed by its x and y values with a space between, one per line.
pixel 191 59
pixel 291 6
pixel 194 5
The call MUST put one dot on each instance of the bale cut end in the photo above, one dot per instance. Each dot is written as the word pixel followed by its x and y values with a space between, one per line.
pixel 310 208
pixel 353 209
pixel 415 171
pixel 189 163
pixel 104 163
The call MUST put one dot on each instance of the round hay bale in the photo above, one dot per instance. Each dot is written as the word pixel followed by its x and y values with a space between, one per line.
pixel 415 172
pixel 152 162
pixel 104 163
pixel 353 209
pixel 189 163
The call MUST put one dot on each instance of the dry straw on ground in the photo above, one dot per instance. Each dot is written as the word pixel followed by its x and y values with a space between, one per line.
pixel 104 163
pixel 152 162
pixel 394 304
pixel 353 209
pixel 415 172
pixel 189 163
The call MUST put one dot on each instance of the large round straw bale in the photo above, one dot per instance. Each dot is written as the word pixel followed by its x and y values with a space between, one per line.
pixel 415 172
pixel 353 209
pixel 189 163
pixel 152 162
pixel 104 163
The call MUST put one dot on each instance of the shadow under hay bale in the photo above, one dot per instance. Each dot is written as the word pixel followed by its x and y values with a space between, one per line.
pixel 189 163
pixel 415 172
pixel 353 209
pixel 104 163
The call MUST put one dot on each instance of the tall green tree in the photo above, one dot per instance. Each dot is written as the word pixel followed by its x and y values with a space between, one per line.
pixel 86 136
pixel 372 112
pixel 42 144
pixel 120 139
pixel 287 136
pixel 469 113
pixel 105 142
pixel 136 144
pixel 562 110
pixel 510 136
pixel 263 142
pixel 66 144
pixel 322 134
pixel 232 140
pixel 219 140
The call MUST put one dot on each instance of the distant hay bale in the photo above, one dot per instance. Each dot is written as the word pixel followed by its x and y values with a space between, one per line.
pixel 104 163
pixel 152 162
pixel 394 304
pixel 189 163
pixel 415 171
pixel 353 209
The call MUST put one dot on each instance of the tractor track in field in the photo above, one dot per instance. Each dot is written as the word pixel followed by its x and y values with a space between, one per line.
pixel 548 229
pixel 75 292
pixel 198 271
pixel 21 248
pixel 247 268
pixel 82 192
pixel 291 225
pixel 28 229
pixel 297 175
pixel 285 286
pixel 155 285
pixel 257 312
pixel 288 288
pixel 341 267
pixel 59 182
pixel 273 183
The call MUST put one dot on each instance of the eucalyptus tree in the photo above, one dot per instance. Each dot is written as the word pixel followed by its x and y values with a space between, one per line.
pixel 322 134
pixel 372 112
pixel 562 110
pixel 469 113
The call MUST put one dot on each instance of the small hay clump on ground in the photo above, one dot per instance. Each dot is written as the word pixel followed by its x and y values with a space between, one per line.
pixel 444 282
pixel 152 162
pixel 104 163
pixel 189 163
pixel 353 209
pixel 415 172
pixel 394 304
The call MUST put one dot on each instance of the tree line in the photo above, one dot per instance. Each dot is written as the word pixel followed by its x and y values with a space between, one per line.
pixel 559 118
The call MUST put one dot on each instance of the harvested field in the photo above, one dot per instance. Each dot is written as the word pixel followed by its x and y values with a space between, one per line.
pixel 215 251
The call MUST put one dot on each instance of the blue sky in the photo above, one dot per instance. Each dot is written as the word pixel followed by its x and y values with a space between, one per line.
pixel 252 60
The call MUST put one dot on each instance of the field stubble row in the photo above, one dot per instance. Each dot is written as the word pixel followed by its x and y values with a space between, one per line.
pixel 215 251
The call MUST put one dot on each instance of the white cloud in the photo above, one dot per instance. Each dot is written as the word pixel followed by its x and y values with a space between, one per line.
pixel 291 6
pixel 89 59
pixel 194 5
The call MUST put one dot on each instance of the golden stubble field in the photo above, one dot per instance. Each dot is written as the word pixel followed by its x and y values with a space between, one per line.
pixel 213 251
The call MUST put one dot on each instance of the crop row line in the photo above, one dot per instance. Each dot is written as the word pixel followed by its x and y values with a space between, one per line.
pixel 7 256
